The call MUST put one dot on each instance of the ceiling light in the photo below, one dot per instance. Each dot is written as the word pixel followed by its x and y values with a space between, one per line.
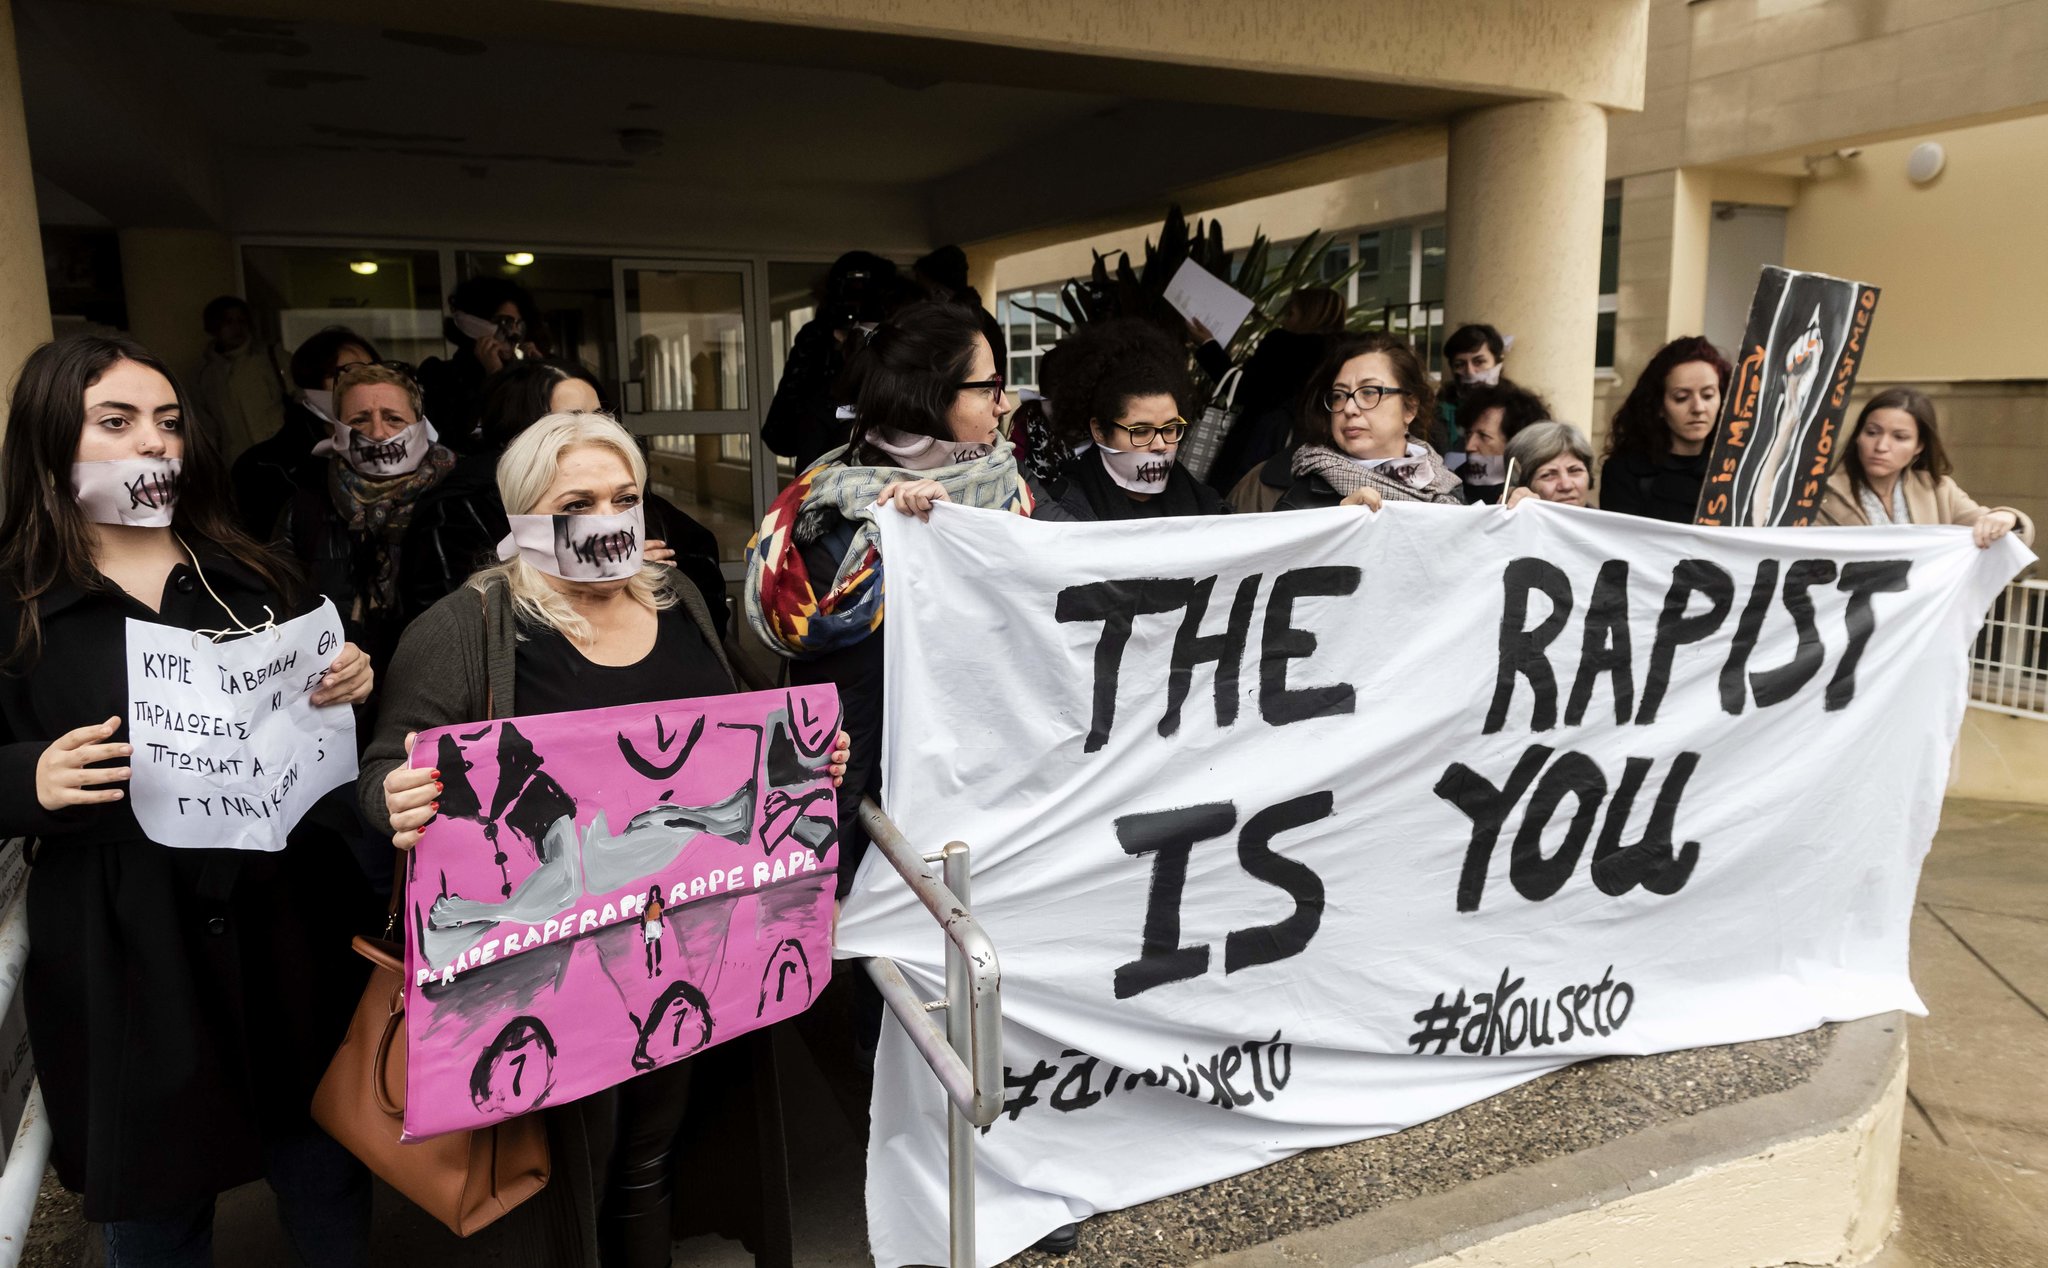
pixel 363 267
pixel 519 258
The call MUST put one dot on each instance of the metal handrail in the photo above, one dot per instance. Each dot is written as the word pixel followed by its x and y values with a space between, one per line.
pixel 22 1181
pixel 967 1056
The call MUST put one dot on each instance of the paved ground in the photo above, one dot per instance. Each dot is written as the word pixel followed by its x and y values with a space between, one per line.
pixel 1973 1183
pixel 1974 1176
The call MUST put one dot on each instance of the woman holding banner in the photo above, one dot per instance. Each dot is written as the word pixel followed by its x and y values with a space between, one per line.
pixel 1356 421
pixel 1122 391
pixel 574 618
pixel 1552 463
pixel 1658 446
pixel 1898 473
pixel 927 427
pixel 182 1002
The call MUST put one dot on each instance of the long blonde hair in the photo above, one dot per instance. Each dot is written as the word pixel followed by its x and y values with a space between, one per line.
pixel 524 473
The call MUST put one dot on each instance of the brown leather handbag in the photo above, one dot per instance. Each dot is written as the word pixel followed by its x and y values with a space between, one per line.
pixel 466 1180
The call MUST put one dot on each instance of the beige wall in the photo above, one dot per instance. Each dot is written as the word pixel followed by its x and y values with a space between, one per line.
pixel 1792 77
pixel 24 295
pixel 1961 261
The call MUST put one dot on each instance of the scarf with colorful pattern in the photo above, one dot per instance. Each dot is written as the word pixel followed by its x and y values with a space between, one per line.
pixel 785 604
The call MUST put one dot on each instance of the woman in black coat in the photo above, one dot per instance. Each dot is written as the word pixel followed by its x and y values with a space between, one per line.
pixel 1663 433
pixel 1121 389
pixel 182 1002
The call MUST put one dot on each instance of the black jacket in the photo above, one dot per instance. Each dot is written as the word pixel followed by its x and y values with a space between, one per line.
pixel 1267 402
pixel 271 471
pixel 182 1003
pixel 453 391
pixel 1665 488
pixel 802 421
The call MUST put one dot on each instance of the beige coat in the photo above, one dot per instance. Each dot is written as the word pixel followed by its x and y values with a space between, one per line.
pixel 1928 501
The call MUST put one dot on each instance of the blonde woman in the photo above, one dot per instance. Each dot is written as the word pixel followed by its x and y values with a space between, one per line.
pixel 575 618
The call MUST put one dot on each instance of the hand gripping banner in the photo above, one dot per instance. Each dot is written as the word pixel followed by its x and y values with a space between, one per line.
pixel 1296 829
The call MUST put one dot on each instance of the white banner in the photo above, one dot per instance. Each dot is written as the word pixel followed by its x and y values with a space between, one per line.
pixel 1296 829
pixel 229 749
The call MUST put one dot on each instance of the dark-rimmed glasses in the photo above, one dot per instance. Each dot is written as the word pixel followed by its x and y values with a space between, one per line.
pixel 1367 397
pixel 1142 434
pixel 994 387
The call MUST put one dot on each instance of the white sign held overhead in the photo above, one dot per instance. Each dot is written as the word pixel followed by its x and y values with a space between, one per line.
pixel 229 748
pixel 1198 295
pixel 1264 876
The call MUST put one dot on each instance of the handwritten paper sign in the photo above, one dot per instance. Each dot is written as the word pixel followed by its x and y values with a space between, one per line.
pixel 610 891
pixel 229 749
pixel 1196 293
pixel 1264 877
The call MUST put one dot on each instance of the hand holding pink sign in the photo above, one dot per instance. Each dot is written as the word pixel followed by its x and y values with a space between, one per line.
pixel 603 893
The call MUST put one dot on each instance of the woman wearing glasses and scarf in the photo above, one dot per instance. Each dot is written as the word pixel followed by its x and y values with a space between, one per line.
pixel 348 528
pixel 1120 394
pixel 1357 449
pixel 927 428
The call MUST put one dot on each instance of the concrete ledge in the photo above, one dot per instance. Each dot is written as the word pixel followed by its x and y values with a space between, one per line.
pixel 1783 1151
pixel 1807 1176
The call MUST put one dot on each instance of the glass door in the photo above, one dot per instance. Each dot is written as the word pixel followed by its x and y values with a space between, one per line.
pixel 688 382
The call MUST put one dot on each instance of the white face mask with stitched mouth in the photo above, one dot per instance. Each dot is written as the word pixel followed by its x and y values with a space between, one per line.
pixel 1136 470
pixel 927 453
pixel 136 492
pixel 1489 376
pixel 579 547
pixel 379 459
pixel 472 326
pixel 321 401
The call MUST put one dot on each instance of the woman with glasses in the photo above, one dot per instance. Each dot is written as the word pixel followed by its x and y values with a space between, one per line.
pixel 349 528
pixel 1120 394
pixel 927 425
pixel 1357 448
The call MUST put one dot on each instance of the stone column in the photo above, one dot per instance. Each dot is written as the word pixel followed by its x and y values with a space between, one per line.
pixel 1522 215
pixel 24 293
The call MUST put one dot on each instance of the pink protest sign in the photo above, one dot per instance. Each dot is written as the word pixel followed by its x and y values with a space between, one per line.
pixel 609 891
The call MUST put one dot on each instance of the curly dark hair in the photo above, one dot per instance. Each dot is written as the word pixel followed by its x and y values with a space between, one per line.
pixel 1104 364
pixel 1518 406
pixel 1639 429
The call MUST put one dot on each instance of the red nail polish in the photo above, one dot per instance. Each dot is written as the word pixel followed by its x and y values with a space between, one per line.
pixel 437 788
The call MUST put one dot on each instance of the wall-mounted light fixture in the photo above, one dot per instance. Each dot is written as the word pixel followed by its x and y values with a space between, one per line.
pixel 1925 162
pixel 362 267
pixel 519 259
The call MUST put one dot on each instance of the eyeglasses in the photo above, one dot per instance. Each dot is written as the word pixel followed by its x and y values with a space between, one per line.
pixel 1142 434
pixel 403 367
pixel 1367 397
pixel 994 387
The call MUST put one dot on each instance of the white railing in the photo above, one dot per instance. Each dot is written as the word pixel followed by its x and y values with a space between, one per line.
pixel 2009 662
pixel 22 1180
